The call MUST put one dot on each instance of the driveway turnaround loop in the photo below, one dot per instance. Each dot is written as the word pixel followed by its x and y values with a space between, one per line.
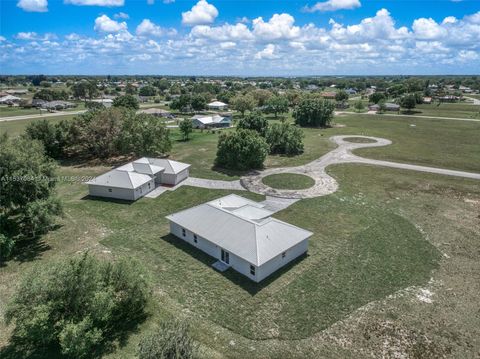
pixel 325 184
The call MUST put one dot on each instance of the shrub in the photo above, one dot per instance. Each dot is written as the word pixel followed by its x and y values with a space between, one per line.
pixel 127 101
pixel 314 112
pixel 241 150
pixel 171 340
pixel 284 138
pixel 77 304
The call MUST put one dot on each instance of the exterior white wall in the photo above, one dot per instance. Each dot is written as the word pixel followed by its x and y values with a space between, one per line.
pixel 173 179
pixel 277 262
pixel 237 263
pixel 127 194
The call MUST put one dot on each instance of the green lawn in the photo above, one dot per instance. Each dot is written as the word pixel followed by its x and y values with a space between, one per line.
pixel 288 181
pixel 458 110
pixel 6 111
pixel 359 140
pixel 17 127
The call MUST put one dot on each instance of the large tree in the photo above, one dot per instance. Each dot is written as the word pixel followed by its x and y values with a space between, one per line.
pixel 285 138
pixel 376 97
pixel 147 91
pixel 408 101
pixel 276 105
pixel 241 150
pixel 254 121
pixel 243 103
pixel 77 305
pixel 314 112
pixel 186 127
pixel 144 135
pixel 28 205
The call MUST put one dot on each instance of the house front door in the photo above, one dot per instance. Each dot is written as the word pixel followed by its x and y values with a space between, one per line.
pixel 225 257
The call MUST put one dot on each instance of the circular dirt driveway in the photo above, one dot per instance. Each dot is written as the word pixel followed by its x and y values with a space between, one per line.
pixel 324 184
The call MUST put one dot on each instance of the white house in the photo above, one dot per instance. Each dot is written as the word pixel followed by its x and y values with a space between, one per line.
pixel 241 234
pixel 135 179
pixel 202 121
pixel 217 105
pixel 9 99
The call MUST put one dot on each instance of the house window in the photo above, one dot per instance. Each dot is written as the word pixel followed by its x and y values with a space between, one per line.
pixel 284 254
pixel 148 185
pixel 195 238
pixel 109 190
pixel 252 269
pixel 183 232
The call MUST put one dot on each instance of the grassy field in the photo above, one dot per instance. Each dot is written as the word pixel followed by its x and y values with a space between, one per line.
pixel 288 181
pixel 383 231
pixel 392 252
pixel 458 110
pixel 17 127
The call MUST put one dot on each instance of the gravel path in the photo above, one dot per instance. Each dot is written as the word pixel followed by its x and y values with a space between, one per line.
pixel 325 184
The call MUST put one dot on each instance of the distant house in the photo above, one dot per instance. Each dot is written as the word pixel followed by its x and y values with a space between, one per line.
pixel 10 100
pixel 58 105
pixel 217 106
pixel 388 107
pixel 160 112
pixel 328 95
pixel 311 87
pixel 135 179
pixel 427 100
pixel 38 102
pixel 240 234
pixel 211 121
pixel 448 98
pixel 107 102
pixel 351 91
pixel 17 92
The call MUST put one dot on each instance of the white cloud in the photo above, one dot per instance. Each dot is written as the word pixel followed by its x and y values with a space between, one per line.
pixel 121 15
pixel 105 24
pixel 147 27
pixel 108 3
pixel 33 5
pixel 32 35
pixel 201 13
pixel 280 26
pixel 2 38
pixel 428 29
pixel 449 20
pixel 267 53
pixel 222 33
pixel 333 5
pixel 228 45
pixel 72 37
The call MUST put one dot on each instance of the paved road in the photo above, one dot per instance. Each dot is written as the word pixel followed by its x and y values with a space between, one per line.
pixel 409 116
pixel 325 184
pixel 475 101
pixel 43 115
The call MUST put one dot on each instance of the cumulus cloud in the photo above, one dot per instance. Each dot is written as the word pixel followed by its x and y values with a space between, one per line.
pixel 201 13
pixel 32 35
pixel 108 3
pixel 2 38
pixel 33 5
pixel 428 29
pixel 371 45
pixel 147 28
pixel 333 5
pixel 121 15
pixel 267 53
pixel 280 26
pixel 105 24
pixel 222 33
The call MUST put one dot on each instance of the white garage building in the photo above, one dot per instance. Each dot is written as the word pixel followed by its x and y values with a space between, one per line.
pixel 241 234
pixel 135 179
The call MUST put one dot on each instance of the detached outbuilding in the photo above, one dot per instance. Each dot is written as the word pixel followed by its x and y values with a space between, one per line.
pixel 135 179
pixel 217 105
pixel 241 234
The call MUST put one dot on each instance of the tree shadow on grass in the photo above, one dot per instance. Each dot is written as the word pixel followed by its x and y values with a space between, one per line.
pixel 106 199
pixel 238 279
pixel 229 172
pixel 410 112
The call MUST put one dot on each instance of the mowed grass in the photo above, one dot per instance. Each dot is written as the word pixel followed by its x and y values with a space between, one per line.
pixel 359 140
pixel 288 181
pixel 17 127
pixel 455 110
pixel 365 247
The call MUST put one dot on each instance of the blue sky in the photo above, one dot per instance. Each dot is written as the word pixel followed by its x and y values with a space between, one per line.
pixel 229 37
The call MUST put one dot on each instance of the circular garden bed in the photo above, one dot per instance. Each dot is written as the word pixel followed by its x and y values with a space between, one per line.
pixel 359 140
pixel 290 181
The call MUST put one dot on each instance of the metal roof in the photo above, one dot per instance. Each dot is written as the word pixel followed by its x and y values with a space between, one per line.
pixel 171 166
pixel 255 240
pixel 121 179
